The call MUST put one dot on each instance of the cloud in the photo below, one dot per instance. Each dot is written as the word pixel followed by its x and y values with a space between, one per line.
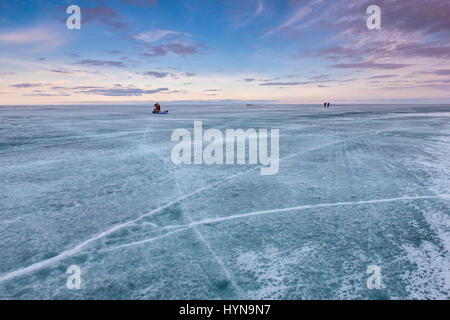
pixel 46 95
pixel 414 49
pixel 155 51
pixel 107 63
pixel 443 72
pixel 41 38
pixel 383 76
pixel 176 47
pixel 424 17
pixel 434 84
pixel 284 83
pixel 419 30
pixel 76 88
pixel 434 81
pixel 181 48
pixel 259 8
pixel 30 35
pixel 159 74
pixel 429 17
pixel 59 71
pixel 116 92
pixel 320 77
pixel 104 15
pixel 139 3
pixel 298 16
pixel 370 65
pixel 374 48
pixel 244 12
pixel 156 74
pixel 380 49
pixel 155 35
pixel 340 51
pixel 26 85
pixel 314 80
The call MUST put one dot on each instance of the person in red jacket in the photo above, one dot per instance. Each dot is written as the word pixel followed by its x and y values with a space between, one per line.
pixel 157 108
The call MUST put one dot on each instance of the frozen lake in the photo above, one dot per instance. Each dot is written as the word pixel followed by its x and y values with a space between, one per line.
pixel 96 187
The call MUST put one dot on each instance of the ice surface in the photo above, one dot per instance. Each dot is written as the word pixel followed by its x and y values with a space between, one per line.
pixel 95 186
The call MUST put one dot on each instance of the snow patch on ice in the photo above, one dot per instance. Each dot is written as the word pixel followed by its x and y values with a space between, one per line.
pixel 273 270
pixel 431 278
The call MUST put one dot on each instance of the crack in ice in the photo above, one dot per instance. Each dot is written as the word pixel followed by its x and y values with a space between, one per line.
pixel 296 208
pixel 202 238
pixel 78 248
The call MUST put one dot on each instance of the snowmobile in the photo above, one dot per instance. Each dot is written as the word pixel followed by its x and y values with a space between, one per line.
pixel 157 109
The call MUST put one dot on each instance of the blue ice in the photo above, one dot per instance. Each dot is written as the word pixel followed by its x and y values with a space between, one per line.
pixel 95 186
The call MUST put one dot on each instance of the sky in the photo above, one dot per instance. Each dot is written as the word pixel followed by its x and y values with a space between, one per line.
pixel 293 51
